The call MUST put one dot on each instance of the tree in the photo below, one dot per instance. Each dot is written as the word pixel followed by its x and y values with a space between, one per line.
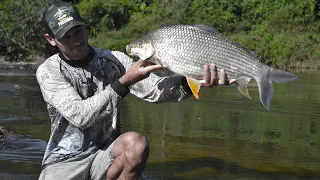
pixel 21 28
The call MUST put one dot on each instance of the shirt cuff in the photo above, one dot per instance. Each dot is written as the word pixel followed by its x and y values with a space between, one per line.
pixel 120 89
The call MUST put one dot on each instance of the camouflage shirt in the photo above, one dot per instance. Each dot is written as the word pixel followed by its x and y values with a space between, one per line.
pixel 83 98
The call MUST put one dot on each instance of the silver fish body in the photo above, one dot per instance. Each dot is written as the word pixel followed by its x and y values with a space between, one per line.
pixel 185 49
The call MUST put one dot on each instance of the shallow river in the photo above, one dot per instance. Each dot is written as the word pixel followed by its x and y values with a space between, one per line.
pixel 223 135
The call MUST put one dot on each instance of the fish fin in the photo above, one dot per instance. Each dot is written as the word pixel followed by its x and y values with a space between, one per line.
pixel 265 83
pixel 194 86
pixel 265 90
pixel 167 70
pixel 155 60
pixel 159 62
pixel 242 84
pixel 279 76
pixel 163 72
pixel 206 28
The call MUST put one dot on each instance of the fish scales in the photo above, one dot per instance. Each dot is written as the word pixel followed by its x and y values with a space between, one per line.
pixel 224 48
pixel 185 49
pixel 241 64
pixel 237 50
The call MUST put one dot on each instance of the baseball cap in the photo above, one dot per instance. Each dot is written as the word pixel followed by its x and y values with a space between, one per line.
pixel 60 17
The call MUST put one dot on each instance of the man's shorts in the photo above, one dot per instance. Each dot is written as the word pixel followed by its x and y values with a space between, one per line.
pixel 92 167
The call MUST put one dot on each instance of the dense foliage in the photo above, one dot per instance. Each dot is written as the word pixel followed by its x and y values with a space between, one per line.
pixel 20 28
pixel 282 32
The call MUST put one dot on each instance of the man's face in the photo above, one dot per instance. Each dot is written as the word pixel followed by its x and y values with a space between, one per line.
pixel 74 44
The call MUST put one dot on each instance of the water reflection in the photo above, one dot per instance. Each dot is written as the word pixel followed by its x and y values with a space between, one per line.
pixel 222 136
pixel 284 142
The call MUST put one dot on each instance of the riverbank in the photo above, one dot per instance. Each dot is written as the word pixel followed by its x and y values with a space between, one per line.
pixel 17 65
pixel 20 68
pixel 21 65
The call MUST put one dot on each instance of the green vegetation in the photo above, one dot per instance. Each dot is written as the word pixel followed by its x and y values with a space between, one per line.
pixel 20 30
pixel 284 33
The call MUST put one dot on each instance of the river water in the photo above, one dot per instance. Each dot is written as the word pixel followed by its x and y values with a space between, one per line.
pixel 223 135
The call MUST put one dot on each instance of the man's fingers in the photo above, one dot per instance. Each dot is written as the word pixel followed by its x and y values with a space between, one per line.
pixel 143 63
pixel 214 75
pixel 148 63
pixel 150 68
pixel 138 63
pixel 232 81
pixel 207 75
pixel 223 78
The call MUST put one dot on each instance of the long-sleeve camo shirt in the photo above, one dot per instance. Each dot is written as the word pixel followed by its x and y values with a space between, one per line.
pixel 83 97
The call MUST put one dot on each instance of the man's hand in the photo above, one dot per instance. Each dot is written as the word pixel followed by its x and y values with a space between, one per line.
pixel 211 77
pixel 138 71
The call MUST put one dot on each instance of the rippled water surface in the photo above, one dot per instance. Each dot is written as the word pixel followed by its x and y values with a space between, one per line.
pixel 223 135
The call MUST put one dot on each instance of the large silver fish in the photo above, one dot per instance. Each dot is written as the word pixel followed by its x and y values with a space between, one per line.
pixel 185 49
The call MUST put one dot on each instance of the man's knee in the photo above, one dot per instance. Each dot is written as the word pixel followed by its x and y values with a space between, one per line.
pixel 137 146
pixel 131 152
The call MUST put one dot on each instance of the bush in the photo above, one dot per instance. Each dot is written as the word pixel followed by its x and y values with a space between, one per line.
pixel 20 27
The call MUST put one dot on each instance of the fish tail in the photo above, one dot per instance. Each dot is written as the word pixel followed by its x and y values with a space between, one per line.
pixel 279 76
pixel 265 90
pixel 266 87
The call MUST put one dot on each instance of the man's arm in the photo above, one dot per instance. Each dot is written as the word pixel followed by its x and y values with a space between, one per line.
pixel 164 89
pixel 153 88
pixel 60 94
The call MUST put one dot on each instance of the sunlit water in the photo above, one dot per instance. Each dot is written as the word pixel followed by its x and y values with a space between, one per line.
pixel 223 135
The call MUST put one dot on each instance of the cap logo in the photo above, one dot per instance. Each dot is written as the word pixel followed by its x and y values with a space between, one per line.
pixel 63 16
